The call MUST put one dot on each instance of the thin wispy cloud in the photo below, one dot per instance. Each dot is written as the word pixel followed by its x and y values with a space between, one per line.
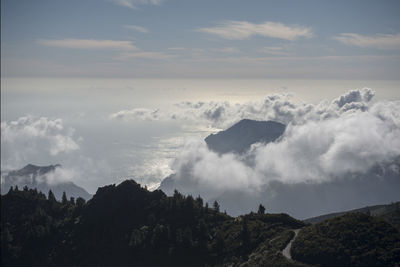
pixel 240 30
pixel 274 50
pixel 134 3
pixel 136 28
pixel 144 55
pixel 380 41
pixel 226 50
pixel 176 48
pixel 87 44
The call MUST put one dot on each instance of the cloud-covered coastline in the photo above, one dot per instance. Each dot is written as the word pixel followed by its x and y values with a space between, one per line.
pixel 352 134
pixel 324 143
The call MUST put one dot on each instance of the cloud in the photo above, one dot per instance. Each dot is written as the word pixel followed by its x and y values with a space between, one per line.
pixel 322 143
pixel 59 175
pixel 134 3
pixel 176 48
pixel 28 136
pixel 380 41
pixel 140 114
pixel 136 28
pixel 205 170
pixel 354 96
pixel 87 44
pixel 319 151
pixel 145 55
pixel 226 50
pixel 274 50
pixel 240 30
pixel 277 107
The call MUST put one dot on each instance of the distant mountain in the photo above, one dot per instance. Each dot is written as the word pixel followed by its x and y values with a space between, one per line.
pixel 389 212
pixel 37 177
pixel 243 134
pixel 307 200
pixel 237 139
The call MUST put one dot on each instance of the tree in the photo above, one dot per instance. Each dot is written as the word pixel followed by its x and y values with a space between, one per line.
pixel 64 199
pixel 245 235
pixel 80 202
pixel 199 201
pixel 216 206
pixel 11 190
pixel 177 195
pixel 261 209
pixel 51 196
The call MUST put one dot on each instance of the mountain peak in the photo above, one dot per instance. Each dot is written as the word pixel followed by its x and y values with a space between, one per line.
pixel 239 137
pixel 34 176
pixel 36 170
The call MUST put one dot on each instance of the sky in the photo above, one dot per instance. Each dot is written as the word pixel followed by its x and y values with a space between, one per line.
pixel 117 89
pixel 201 39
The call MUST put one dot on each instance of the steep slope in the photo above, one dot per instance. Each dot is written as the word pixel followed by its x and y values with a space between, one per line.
pixel 39 177
pixel 243 134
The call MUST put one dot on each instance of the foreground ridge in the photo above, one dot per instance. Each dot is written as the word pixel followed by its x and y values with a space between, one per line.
pixel 126 225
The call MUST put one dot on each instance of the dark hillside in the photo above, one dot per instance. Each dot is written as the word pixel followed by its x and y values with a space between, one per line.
pixel 354 239
pixel 389 212
pixel 126 225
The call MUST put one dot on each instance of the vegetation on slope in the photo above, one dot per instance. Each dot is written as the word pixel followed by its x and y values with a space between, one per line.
pixel 389 212
pixel 126 225
pixel 350 240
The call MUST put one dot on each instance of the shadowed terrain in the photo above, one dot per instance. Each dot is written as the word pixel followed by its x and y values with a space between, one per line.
pixel 127 225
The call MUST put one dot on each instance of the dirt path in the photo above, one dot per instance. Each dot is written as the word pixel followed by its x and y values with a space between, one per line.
pixel 286 250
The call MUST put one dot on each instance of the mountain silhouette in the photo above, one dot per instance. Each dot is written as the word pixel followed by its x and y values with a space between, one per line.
pixel 37 177
pixel 243 134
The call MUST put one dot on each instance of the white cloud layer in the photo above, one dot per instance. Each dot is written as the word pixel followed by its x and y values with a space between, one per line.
pixel 322 143
pixel 29 136
pixel 88 44
pixel 380 41
pixel 240 30
pixel 278 107
pixel 59 175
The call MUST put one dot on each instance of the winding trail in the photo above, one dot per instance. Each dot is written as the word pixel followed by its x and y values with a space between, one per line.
pixel 286 250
